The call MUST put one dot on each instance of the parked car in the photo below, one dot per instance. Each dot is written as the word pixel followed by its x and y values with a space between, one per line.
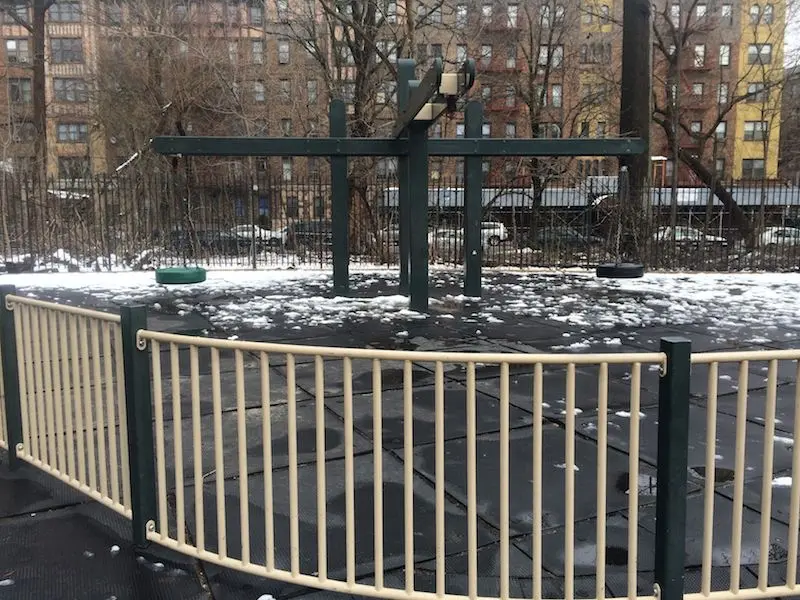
pixel 314 234
pixel 493 232
pixel 686 235
pixel 779 236
pixel 209 240
pixel 269 237
pixel 563 237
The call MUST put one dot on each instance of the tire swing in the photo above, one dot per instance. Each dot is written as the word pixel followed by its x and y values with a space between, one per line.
pixel 180 275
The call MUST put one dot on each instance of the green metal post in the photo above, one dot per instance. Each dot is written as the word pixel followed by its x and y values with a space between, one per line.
pixel 8 341
pixel 405 73
pixel 139 413
pixel 418 191
pixel 340 199
pixel 672 470
pixel 473 204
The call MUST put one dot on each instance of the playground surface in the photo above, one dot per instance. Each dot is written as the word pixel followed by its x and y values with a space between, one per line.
pixel 58 544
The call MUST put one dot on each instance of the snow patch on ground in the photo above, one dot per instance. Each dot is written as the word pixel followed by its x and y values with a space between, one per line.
pixel 626 414
pixel 783 482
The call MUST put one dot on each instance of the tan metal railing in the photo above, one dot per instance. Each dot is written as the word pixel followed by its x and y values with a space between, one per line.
pixel 744 363
pixel 72 397
pixel 3 426
pixel 283 558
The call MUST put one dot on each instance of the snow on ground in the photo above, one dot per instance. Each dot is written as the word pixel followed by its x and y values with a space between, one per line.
pixel 303 297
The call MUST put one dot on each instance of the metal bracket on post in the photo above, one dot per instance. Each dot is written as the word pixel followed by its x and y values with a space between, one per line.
pixel 672 469
pixel 473 205
pixel 10 366
pixel 405 73
pixel 139 413
pixel 340 200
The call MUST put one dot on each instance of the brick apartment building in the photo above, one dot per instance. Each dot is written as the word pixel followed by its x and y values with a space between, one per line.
pixel 118 73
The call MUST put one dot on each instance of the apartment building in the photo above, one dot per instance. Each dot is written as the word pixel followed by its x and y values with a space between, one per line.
pixel 547 68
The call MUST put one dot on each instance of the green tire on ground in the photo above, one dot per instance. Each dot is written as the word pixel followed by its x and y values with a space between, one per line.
pixel 178 275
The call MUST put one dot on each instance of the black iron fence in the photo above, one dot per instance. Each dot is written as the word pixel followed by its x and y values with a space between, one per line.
pixel 146 220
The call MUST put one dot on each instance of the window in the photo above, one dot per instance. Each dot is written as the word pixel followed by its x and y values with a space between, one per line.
pixel 66 50
pixel 233 51
pixel 436 51
pixel 17 51
pixel 459 130
pixel 486 93
pixel 257 50
pixel 584 54
pixel 556 94
pixel 486 14
pixel 675 15
pixel 292 205
pixel 461 53
pixel 511 130
pixel 560 12
pixel 436 130
pixel 700 10
pixel 719 166
pixel 346 54
pixel 311 90
pixel 697 89
pixel 114 14
pixel 313 127
pixel 436 169
pixel 19 91
pixel 183 47
pixel 584 129
pixel 390 12
pixel 511 96
pixel 605 14
pixel 283 52
pixel 348 92
pixel 756 92
pixel 19 9
pixel 759 53
pixel 753 168
pixel 586 15
pixel 767 15
pixel 601 129
pixel 65 12
pixel 73 167
pixel 486 168
pixel 696 127
pixel 283 10
pixel 486 130
pixel 460 169
pixel 699 60
pixel 554 55
pixel 512 15
pixel 722 93
pixel 435 16
pixel 544 15
pixel 553 130
pixel 724 55
pixel 755 14
pixel 256 14
pixel 76 133
pixel 70 90
pixel 285 89
pixel 461 15
pixel 486 54
pixel 721 130
pixel 23 131
pixel 726 13
pixel 755 131
pixel 286 127
pixel 511 58
pixel 258 91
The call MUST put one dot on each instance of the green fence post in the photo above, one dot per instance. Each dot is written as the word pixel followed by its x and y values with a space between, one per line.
pixel 672 470
pixel 340 201
pixel 418 204
pixel 473 204
pixel 8 340
pixel 139 412
pixel 406 68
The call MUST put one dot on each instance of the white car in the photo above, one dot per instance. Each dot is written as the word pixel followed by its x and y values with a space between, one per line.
pixel 266 236
pixel 684 234
pixel 492 234
pixel 779 236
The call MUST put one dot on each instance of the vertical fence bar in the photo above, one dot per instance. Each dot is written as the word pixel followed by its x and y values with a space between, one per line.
pixel 58 390
pixel 22 350
pixel 241 426
pixel 197 449
pixel 63 324
pixel 37 395
pixel 49 406
pixel 377 475
pixel 177 442
pixel 408 475
pixel 349 475
pixel 123 418
pixel 569 487
pixel 77 385
pixel 440 477
pixel 739 476
pixel 602 476
pixel 158 409
pixel 538 399
pixel 86 380
pixel 266 444
pixel 473 204
pixel 322 525
pixel 633 481
pixel 98 403
pixel 340 197
pixel 472 484
pixel 11 382
pixel 673 449
pixel 139 418
pixel 708 500
pixel 766 474
pixel 794 496
pixel 294 516
pixel 219 461
pixel 111 419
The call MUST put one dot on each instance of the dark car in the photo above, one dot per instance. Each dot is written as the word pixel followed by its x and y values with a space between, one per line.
pixel 207 241
pixel 312 234
pixel 550 237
